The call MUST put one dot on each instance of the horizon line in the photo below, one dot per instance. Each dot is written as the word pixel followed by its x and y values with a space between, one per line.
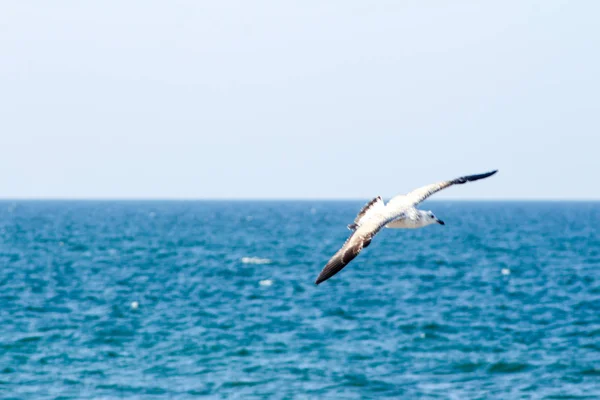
pixel 265 199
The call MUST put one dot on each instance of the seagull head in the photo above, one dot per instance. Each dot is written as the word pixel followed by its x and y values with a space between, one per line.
pixel 430 218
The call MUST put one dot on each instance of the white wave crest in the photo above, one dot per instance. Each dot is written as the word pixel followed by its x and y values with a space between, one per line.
pixel 256 260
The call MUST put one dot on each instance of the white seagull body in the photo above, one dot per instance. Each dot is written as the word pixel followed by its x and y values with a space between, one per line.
pixel 400 212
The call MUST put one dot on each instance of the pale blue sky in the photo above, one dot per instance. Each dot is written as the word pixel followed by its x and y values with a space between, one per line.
pixel 279 99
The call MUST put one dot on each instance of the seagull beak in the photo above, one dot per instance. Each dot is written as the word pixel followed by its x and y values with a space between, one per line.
pixel 439 221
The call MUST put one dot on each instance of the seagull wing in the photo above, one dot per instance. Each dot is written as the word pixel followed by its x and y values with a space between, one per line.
pixel 353 246
pixel 374 205
pixel 420 194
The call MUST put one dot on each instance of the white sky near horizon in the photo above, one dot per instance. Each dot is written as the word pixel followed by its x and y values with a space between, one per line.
pixel 265 99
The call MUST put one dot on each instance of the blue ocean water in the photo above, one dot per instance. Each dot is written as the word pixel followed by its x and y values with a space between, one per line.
pixel 501 302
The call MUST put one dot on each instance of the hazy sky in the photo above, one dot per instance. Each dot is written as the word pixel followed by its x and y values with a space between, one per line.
pixel 263 99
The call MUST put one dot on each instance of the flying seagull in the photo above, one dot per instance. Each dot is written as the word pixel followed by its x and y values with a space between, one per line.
pixel 399 212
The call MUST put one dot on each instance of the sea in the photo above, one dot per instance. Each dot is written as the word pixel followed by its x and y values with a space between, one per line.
pixel 216 300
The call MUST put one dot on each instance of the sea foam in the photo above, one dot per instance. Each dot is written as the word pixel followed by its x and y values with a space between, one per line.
pixel 256 260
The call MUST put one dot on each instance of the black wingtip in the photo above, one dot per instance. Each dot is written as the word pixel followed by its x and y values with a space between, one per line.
pixel 324 275
pixel 471 178
pixel 481 176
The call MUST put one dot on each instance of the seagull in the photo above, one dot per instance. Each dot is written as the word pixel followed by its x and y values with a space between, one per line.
pixel 399 212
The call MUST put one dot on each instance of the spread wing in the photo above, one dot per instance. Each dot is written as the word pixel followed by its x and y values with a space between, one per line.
pixel 373 205
pixel 366 225
pixel 347 253
pixel 420 194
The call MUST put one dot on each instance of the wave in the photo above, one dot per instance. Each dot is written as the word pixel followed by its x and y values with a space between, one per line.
pixel 256 260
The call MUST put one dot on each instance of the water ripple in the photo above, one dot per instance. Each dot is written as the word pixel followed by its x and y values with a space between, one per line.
pixel 225 304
